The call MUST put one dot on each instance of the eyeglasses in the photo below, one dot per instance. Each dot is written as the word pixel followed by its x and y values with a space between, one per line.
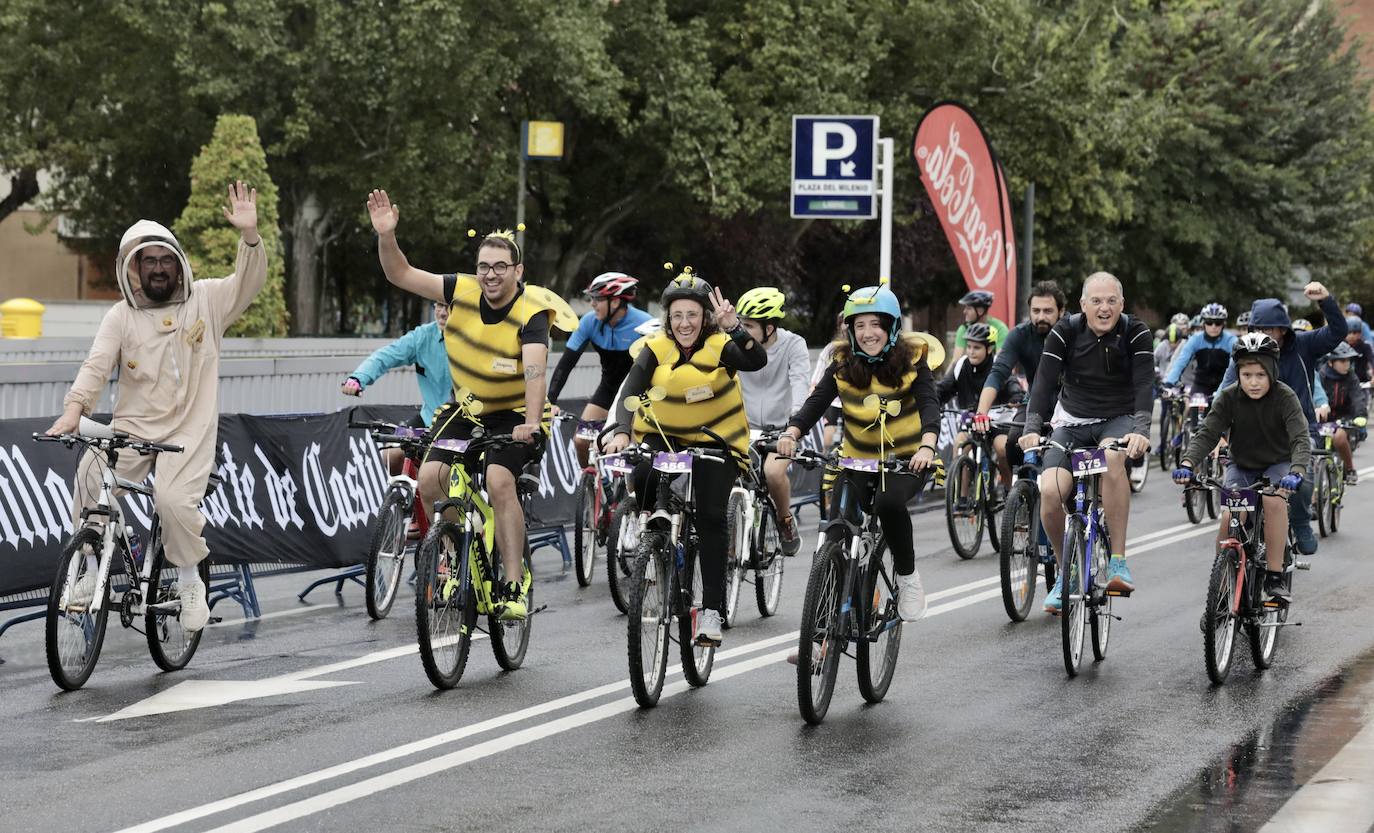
pixel 499 268
pixel 1214 323
pixel 149 262
pixel 1113 301
pixel 680 317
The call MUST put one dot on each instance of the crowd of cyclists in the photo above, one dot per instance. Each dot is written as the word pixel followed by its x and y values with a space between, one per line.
pixel 730 378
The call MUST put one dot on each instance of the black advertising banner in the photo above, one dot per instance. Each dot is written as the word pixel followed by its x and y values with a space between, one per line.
pixel 297 490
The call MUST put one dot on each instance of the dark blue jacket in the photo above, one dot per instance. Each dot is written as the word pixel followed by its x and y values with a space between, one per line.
pixel 1299 352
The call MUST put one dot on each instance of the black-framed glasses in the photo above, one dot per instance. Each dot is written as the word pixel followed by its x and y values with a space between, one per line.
pixel 150 262
pixel 499 268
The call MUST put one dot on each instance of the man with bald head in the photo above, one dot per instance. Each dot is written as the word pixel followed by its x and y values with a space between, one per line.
pixel 1095 384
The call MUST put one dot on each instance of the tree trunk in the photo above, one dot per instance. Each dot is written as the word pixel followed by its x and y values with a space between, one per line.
pixel 23 187
pixel 308 225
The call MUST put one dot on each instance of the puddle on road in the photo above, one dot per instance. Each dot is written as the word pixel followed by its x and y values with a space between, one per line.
pixel 1242 790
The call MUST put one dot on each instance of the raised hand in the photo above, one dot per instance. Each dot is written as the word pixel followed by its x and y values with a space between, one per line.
pixel 726 318
pixel 242 211
pixel 384 213
pixel 1315 291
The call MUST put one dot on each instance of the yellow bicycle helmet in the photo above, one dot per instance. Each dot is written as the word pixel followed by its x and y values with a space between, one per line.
pixel 761 303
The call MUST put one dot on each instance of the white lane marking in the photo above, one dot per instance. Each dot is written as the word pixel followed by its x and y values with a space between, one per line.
pixel 1338 799
pixel 276 614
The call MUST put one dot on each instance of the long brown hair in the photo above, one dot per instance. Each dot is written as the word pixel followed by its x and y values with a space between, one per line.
pixel 860 373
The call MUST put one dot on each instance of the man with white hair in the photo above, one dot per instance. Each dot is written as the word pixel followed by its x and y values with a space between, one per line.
pixel 1107 364
pixel 165 340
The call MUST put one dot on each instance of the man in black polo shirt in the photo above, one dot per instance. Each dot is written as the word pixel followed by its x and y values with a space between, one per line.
pixel 1107 364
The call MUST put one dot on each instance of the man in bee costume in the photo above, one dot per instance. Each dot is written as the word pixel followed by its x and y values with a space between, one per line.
pixel 497 338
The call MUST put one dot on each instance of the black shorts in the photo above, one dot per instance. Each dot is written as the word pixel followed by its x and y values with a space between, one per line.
pixel 449 424
pixel 604 395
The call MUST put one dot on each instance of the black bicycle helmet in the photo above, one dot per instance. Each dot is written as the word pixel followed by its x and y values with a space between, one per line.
pixel 980 333
pixel 977 298
pixel 687 285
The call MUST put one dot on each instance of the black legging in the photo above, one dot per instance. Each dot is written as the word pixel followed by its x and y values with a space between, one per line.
pixel 711 483
pixel 853 489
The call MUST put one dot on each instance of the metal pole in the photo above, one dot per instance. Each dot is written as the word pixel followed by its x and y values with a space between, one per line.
pixel 1027 244
pixel 520 204
pixel 885 197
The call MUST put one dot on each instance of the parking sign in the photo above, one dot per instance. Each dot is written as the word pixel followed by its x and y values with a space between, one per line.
pixel 833 167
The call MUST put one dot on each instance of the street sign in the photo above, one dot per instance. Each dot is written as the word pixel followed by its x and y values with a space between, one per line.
pixel 541 139
pixel 833 167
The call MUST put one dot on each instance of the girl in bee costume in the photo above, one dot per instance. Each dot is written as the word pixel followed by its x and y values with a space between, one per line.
pixel 695 360
pixel 878 359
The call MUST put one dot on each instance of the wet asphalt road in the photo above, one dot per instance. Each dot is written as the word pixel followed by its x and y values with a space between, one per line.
pixel 980 731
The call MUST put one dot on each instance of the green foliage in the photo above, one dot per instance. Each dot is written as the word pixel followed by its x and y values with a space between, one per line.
pixel 234 154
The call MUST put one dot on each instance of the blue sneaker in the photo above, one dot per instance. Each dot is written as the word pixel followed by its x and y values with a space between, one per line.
pixel 1303 537
pixel 1119 576
pixel 1054 602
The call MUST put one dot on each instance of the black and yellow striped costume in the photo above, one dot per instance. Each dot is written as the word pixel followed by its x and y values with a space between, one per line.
pixel 700 391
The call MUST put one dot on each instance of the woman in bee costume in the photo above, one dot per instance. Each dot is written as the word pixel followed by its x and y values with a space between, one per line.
pixel 695 360
pixel 878 359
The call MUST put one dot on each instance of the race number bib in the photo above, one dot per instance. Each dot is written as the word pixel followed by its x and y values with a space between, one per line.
pixel 456 446
pixel 699 393
pixel 857 464
pixel 1327 429
pixel 1198 400
pixel 673 462
pixel 1239 500
pixel 1086 463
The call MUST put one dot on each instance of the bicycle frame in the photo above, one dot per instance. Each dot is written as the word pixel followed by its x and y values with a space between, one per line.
pixel 115 538
pixel 861 540
pixel 465 498
pixel 1089 510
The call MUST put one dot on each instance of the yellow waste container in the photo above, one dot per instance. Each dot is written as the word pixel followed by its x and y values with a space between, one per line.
pixel 21 318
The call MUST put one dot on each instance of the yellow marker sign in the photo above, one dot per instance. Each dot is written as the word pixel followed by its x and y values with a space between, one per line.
pixel 543 139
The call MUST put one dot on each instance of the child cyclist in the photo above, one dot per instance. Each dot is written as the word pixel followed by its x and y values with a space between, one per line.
pixel 1346 400
pixel 964 384
pixel 1268 439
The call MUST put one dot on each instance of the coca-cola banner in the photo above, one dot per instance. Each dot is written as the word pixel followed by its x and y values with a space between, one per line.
pixel 969 192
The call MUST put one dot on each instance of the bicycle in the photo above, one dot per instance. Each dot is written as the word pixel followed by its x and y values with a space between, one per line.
pixel 971 501
pixel 75 630
pixel 1025 548
pixel 597 500
pixel 1086 548
pixel 622 531
pixel 666 583
pixel 1235 589
pixel 851 596
pixel 1328 477
pixel 1171 428
pixel 387 547
pixel 459 568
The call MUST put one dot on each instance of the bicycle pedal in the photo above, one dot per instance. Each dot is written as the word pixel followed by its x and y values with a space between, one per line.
pixel 1302 565
pixel 539 609
pixel 1125 594
pixel 703 642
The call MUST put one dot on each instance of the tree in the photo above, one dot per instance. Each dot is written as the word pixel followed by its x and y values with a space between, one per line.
pixel 234 154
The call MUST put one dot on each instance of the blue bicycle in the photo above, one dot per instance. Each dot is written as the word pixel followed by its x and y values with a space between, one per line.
pixel 1025 548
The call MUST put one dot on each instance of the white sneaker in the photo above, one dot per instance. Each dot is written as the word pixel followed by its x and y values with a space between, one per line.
pixel 83 593
pixel 911 597
pixel 194 611
pixel 708 627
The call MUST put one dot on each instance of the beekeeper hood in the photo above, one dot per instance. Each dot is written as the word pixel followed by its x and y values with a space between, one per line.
pixel 140 236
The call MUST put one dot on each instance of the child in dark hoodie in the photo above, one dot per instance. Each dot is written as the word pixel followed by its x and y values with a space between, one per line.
pixel 1268 439
pixel 1347 400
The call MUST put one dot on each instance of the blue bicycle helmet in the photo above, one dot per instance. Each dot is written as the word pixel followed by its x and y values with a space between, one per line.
pixel 880 301
pixel 1214 312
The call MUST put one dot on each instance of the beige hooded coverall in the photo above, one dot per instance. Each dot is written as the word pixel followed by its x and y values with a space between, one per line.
pixel 168 358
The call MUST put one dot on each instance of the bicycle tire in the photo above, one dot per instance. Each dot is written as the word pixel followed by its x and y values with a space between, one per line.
pixel 1264 640
pixel 1017 556
pixel 1220 623
pixel 443 555
pixel 876 662
pixel 386 552
pixel 697 660
pixel 820 614
pixel 619 565
pixel 1100 614
pixel 510 638
pixel 584 530
pixel 1165 423
pixel 1195 504
pixel 170 645
pixel 965 529
pixel 736 556
pixel 71 669
pixel 1073 614
pixel 771 561
pixel 1213 495
pixel 1333 504
pixel 1321 494
pixel 993 511
pixel 649 618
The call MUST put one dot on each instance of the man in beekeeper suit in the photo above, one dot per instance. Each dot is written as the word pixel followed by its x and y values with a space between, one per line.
pixel 165 339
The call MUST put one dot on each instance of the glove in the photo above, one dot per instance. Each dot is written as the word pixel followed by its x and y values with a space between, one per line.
pixel 1182 475
pixel 1291 482
pixel 1361 422
pixel 981 423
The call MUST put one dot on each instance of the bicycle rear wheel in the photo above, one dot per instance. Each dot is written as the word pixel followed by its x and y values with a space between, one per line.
pixel 387 552
pixel 1017 554
pixel 170 645
pixel 993 510
pixel 770 560
pixel 696 659
pixel 1335 479
pixel 1219 620
pixel 875 662
pixel 1264 635
pixel 962 514
pixel 822 639
pixel 737 556
pixel 445 604
pixel 1321 496
pixel 73 634
pixel 585 519
pixel 1100 614
pixel 1073 615
pixel 649 619
pixel 621 542
pixel 510 638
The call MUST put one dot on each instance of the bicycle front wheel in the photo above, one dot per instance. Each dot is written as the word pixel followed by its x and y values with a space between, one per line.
pixel 737 557
pixel 697 660
pixel 170 645
pixel 1219 620
pixel 1336 486
pixel 1073 615
pixel 445 605
pixel 770 560
pixel 510 638
pixel 822 639
pixel 585 521
pixel 73 633
pixel 963 516
pixel 1321 496
pixel 875 662
pixel 386 553
pixel 1017 555
pixel 649 619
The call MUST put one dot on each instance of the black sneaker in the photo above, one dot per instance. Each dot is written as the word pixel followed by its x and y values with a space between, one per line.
pixel 787 534
pixel 1276 588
